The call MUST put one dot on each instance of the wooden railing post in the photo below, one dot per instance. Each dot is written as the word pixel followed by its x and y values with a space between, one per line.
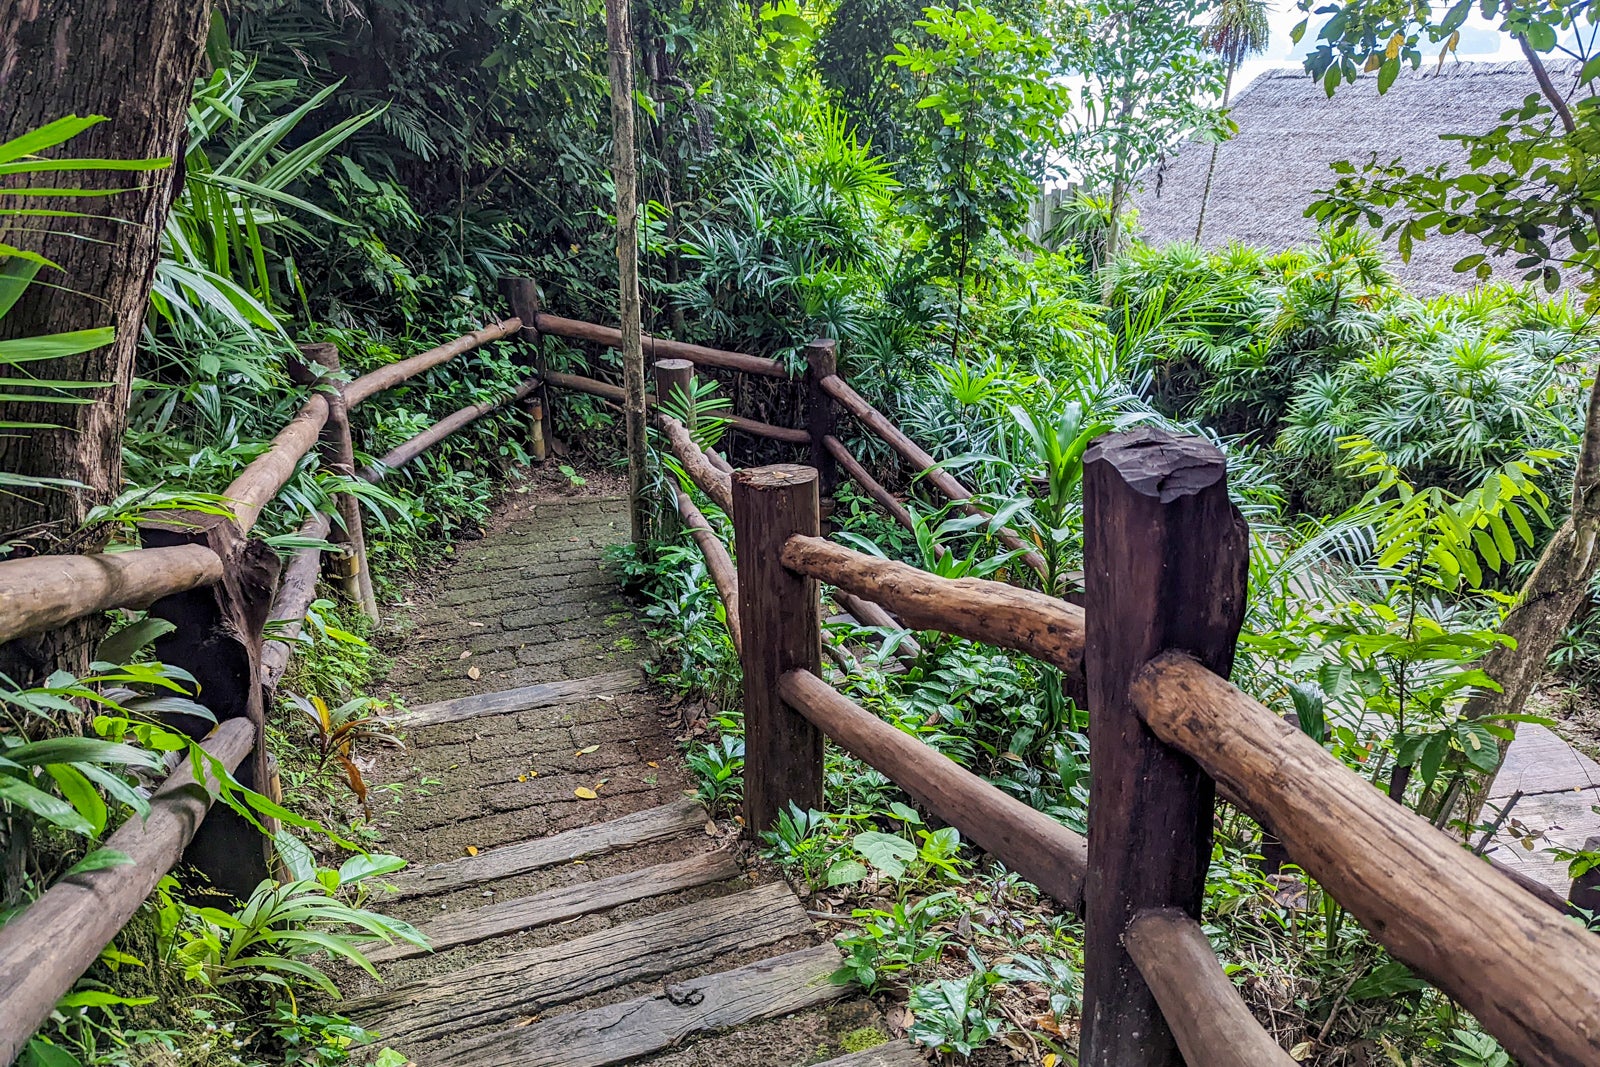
pixel 675 376
pixel 1165 556
pixel 524 296
pixel 339 456
pixel 218 640
pixel 780 619
pixel 822 361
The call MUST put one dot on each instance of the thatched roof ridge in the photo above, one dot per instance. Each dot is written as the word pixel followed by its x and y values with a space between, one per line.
pixel 1290 131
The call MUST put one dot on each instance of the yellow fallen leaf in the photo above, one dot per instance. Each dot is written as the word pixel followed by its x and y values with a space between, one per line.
pixel 472 850
pixel 474 673
pixel 583 792
pixel 586 751
pixel 652 763
pixel 522 777
pixel 1049 1059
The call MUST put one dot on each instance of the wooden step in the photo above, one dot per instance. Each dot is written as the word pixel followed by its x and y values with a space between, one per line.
pixel 618 1033
pixel 521 984
pixel 566 902
pixel 526 698
pixel 888 1054
pixel 508 861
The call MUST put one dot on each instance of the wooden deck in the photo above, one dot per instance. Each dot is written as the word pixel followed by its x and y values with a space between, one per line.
pixel 583 908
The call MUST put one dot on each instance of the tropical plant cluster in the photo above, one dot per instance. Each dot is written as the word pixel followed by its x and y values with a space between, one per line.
pixel 868 170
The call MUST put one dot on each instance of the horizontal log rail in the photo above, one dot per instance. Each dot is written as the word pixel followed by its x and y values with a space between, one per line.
pixel 718 563
pixel 297 588
pixel 1028 841
pixel 992 612
pixel 43 592
pixel 852 466
pixel 45 949
pixel 1210 1020
pixel 1525 972
pixel 409 450
pixel 606 391
pixel 713 482
pixel 385 378
pixel 924 463
pixel 269 472
pixel 660 348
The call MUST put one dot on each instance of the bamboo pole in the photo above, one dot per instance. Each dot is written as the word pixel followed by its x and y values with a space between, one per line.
pixel 625 176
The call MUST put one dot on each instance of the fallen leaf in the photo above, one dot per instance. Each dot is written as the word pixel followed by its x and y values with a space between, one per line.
pixel 465 654
pixel 1050 1058
pixel 652 763
pixel 711 828
pixel 583 792
pixel 474 673
pixel 522 777
pixel 472 850
pixel 586 751
pixel 1300 1051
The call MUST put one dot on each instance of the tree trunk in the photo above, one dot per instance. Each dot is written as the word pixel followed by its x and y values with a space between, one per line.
pixel 1552 593
pixel 135 63
pixel 625 177
pixel 1211 167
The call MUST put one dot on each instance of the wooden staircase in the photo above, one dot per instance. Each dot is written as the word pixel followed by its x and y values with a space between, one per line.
pixel 583 908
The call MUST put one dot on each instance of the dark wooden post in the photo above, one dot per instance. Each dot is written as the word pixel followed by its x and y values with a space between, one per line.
pixel 218 640
pixel 523 293
pixel 822 361
pixel 675 376
pixel 780 617
pixel 1165 558
pixel 338 455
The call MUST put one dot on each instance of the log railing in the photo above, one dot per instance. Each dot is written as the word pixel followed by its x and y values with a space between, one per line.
pixel 1148 655
pixel 220 586
pixel 825 391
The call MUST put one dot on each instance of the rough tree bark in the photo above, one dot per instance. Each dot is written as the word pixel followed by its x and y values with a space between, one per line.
pixel 1553 591
pixel 1560 580
pixel 625 176
pixel 133 62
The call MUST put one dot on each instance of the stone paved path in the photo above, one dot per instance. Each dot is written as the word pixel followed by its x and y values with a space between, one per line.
pixel 585 910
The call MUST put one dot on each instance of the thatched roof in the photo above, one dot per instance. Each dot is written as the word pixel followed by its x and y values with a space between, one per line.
pixel 1290 131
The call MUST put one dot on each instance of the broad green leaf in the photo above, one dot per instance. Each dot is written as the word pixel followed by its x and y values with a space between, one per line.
pixel 44 805
pixel 888 853
pixel 121 646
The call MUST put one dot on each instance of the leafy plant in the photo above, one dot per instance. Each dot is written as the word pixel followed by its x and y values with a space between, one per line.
pixel 720 768
pixel 953 1014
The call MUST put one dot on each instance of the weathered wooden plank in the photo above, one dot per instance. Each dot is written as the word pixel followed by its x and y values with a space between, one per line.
pixel 520 984
pixel 565 902
pixel 629 831
pixel 617 1033
pixel 525 698
pixel 888 1054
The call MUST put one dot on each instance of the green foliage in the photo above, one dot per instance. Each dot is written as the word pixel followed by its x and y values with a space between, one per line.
pixel 1526 189
pixel 1148 80
pixel 954 1014
pixel 1000 116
